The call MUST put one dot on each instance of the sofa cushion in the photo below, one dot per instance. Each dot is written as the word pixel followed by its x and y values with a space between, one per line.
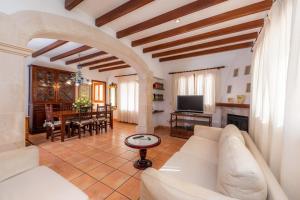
pixel 17 161
pixel 39 183
pixel 201 147
pixel 191 169
pixel 231 131
pixel 239 175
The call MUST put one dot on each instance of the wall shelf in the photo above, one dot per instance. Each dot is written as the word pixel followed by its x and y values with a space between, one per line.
pixel 233 105
pixel 157 111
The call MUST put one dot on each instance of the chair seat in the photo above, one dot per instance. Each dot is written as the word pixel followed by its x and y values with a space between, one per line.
pixel 39 183
pixel 101 119
pixel 84 122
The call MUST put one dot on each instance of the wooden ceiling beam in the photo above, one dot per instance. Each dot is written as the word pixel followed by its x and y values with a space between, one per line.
pixel 50 47
pixel 220 32
pixel 120 11
pixel 114 68
pixel 107 65
pixel 70 53
pixel 168 16
pixel 111 58
pixel 209 51
pixel 87 57
pixel 70 4
pixel 230 15
pixel 229 40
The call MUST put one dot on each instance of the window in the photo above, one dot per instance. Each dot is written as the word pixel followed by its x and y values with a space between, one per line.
pixel 113 94
pixel 99 92
pixel 197 83
pixel 128 100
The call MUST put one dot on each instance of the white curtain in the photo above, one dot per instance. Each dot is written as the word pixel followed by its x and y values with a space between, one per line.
pixel 269 77
pixel 196 83
pixel 205 84
pixel 128 99
pixel 290 173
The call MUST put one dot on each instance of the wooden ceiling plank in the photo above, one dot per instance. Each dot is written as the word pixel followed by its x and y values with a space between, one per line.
pixel 209 51
pixel 114 68
pixel 50 47
pixel 107 65
pixel 229 40
pixel 120 11
pixel 70 53
pixel 70 4
pixel 111 58
pixel 220 32
pixel 168 16
pixel 87 57
pixel 230 15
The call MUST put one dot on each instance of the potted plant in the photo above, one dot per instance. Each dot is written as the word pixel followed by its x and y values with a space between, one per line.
pixel 82 101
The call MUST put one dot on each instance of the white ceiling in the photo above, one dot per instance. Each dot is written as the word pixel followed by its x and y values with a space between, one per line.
pixel 96 8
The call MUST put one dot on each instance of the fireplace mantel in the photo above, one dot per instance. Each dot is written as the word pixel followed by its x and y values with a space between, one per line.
pixel 233 105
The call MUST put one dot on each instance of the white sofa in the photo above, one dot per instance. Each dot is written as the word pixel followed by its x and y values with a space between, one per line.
pixel 214 164
pixel 21 178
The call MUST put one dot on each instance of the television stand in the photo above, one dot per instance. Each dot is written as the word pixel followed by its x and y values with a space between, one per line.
pixel 182 123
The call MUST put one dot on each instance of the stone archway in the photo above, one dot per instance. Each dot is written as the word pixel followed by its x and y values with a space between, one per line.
pixel 23 26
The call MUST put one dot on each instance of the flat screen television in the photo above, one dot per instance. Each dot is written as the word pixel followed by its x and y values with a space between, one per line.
pixel 190 103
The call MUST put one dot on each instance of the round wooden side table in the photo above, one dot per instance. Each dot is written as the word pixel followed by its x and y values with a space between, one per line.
pixel 142 142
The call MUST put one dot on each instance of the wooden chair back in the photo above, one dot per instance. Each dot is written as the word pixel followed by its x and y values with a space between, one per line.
pixel 101 112
pixel 49 112
pixel 108 107
pixel 85 113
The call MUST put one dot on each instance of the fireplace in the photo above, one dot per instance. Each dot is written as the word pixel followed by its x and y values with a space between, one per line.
pixel 240 121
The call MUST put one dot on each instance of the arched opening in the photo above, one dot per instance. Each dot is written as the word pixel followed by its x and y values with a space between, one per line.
pixel 23 26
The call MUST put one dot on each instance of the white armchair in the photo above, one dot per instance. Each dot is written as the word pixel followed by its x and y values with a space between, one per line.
pixel 18 161
pixel 21 177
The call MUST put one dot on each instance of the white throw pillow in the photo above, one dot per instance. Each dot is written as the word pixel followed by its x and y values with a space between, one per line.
pixel 239 175
pixel 230 131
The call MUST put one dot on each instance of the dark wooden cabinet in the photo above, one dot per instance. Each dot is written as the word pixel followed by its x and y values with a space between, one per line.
pixel 47 86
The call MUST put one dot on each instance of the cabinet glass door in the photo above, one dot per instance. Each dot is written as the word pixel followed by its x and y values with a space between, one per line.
pixel 66 91
pixel 44 86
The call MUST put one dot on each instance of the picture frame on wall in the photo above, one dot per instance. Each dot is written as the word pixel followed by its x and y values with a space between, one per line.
pixel 85 90
pixel 248 88
pixel 229 87
pixel 247 70
pixel 235 72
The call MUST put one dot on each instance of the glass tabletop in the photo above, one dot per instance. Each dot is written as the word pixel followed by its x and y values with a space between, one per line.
pixel 142 140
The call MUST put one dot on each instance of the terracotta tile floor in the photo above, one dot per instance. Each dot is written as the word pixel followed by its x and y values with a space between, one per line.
pixel 102 165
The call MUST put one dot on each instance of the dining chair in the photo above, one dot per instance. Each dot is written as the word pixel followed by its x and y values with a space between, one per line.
pixel 85 120
pixel 53 127
pixel 67 107
pixel 101 119
pixel 109 113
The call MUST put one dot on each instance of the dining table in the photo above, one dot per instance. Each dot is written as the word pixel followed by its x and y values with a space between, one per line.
pixel 63 116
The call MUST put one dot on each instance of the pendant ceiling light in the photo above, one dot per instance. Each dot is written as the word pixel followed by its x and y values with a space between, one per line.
pixel 78 78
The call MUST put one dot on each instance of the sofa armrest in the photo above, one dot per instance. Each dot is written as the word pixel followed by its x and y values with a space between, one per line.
pixel 17 161
pixel 158 186
pixel 211 133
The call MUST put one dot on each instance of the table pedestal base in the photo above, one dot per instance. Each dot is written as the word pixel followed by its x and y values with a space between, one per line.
pixel 143 163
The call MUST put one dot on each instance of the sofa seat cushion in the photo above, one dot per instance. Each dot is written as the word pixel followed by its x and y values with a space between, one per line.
pixel 191 169
pixel 202 148
pixel 39 183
